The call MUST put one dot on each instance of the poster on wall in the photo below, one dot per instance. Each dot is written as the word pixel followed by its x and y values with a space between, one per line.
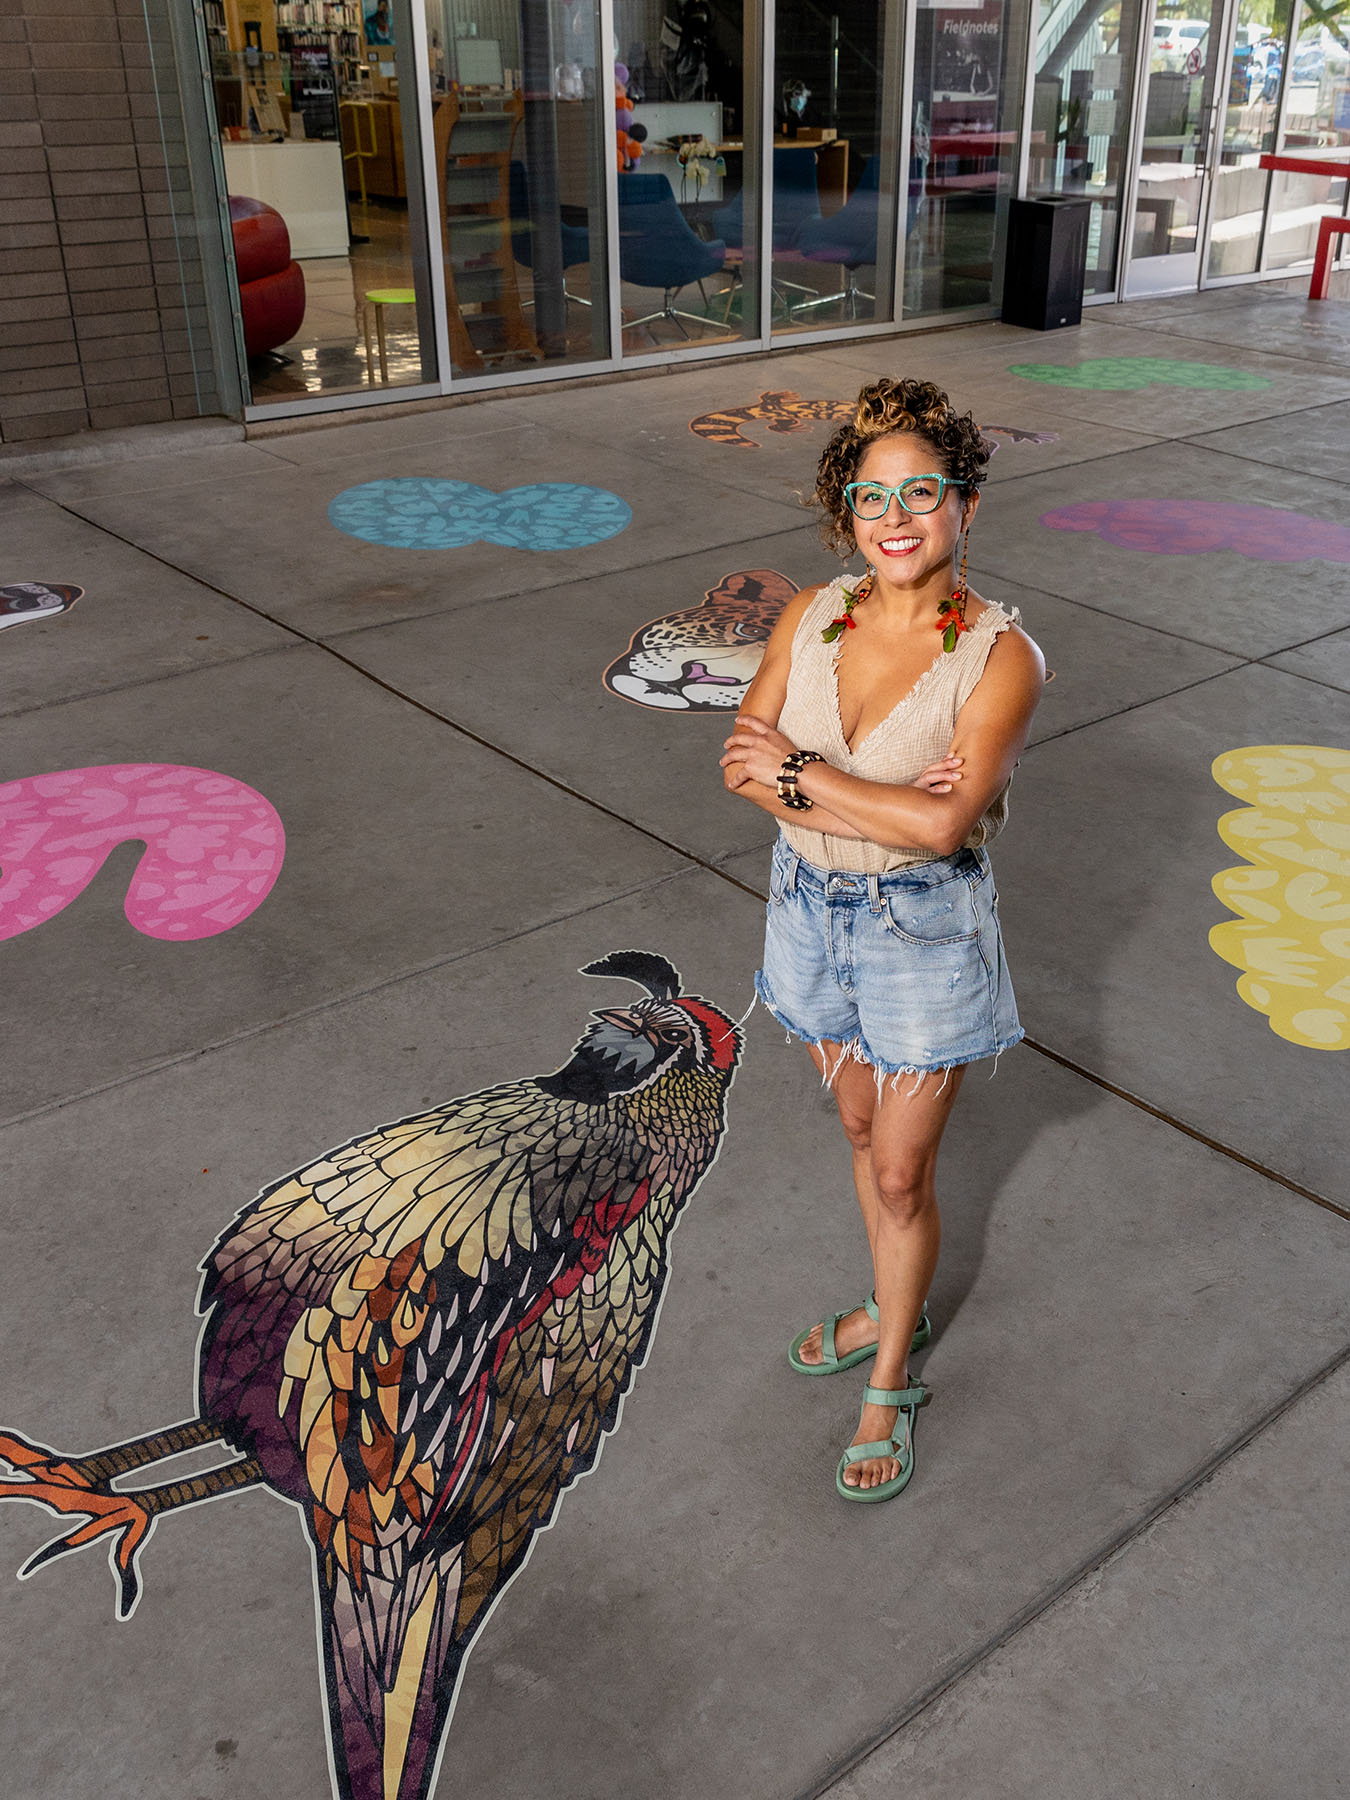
pixel 967 47
pixel 379 23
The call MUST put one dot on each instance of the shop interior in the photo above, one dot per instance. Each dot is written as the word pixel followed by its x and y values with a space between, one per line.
pixel 321 104
pixel 318 135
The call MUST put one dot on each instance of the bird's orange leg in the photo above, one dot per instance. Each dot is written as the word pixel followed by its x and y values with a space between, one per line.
pixel 83 1485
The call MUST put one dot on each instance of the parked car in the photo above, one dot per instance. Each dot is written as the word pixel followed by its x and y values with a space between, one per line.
pixel 1174 39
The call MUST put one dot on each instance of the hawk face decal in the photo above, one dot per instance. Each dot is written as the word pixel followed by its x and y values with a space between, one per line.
pixel 703 659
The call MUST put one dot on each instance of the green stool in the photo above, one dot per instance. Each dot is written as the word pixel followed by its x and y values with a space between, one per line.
pixel 379 298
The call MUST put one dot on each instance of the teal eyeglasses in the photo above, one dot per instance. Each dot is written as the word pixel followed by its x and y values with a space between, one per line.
pixel 920 494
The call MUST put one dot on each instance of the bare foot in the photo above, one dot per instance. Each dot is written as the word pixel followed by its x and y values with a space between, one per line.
pixel 876 1423
pixel 852 1332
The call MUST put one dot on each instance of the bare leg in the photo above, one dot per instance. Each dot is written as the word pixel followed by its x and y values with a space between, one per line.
pixel 906 1131
pixel 82 1485
pixel 855 1094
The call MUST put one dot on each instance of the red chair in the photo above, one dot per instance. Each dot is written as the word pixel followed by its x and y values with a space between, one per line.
pixel 1332 224
pixel 271 284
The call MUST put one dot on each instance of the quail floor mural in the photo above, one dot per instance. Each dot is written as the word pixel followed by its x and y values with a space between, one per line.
pixel 1292 894
pixel 421 1340
pixel 24 602
pixel 213 846
pixel 425 513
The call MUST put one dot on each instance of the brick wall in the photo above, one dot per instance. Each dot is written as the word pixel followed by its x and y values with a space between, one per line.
pixel 103 318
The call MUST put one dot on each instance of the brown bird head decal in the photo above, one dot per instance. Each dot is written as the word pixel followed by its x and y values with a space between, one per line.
pixel 627 1049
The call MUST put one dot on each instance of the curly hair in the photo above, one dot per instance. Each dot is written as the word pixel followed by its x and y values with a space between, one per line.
pixel 884 408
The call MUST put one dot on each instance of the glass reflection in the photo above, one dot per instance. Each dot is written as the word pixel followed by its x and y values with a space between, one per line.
pixel 517 120
pixel 688 198
pixel 320 164
pixel 1081 113
pixel 835 154
pixel 1251 111
pixel 1175 149
pixel 1316 125
pixel 967 88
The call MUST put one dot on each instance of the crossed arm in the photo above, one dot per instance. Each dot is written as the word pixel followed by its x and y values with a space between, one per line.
pixel 934 812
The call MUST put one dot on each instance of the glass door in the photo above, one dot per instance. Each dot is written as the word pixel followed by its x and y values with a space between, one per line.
pixel 1086 58
pixel 836 145
pixel 1177 136
pixel 1250 110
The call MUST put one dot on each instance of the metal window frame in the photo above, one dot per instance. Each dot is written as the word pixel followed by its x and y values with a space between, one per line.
pixel 1218 125
pixel 905 155
pixel 1129 187
pixel 757 134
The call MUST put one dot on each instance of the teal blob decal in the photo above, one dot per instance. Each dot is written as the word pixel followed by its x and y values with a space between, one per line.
pixel 424 513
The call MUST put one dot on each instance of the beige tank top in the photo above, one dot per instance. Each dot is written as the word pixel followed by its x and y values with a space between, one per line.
pixel 916 732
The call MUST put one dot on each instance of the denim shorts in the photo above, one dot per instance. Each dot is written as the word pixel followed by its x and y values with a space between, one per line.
pixel 905 970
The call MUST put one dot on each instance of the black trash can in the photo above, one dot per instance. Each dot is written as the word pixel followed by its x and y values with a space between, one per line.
pixel 1046 265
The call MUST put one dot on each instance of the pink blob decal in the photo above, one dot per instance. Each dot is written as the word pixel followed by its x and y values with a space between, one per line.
pixel 214 847
pixel 1195 527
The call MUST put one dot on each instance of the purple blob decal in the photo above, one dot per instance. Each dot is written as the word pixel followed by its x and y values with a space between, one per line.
pixel 1195 527
pixel 213 847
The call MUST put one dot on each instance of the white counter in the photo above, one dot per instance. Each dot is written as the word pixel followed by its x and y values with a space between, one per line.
pixel 304 182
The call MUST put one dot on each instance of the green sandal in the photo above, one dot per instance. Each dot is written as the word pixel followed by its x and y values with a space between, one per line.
pixel 909 1400
pixel 831 1362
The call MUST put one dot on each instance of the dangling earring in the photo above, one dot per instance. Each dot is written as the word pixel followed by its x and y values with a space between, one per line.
pixel 951 621
pixel 852 597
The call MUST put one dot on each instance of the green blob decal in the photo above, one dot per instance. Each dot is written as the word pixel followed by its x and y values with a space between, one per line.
pixel 1107 373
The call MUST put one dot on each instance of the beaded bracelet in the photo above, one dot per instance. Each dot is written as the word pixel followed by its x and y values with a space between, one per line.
pixel 787 779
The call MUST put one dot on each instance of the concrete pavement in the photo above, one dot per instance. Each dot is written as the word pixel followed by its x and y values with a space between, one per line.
pixel 1119 1568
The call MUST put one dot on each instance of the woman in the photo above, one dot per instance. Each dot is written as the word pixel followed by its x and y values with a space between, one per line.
pixel 885 753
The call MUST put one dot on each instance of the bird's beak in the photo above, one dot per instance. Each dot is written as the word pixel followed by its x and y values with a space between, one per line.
pixel 630 1022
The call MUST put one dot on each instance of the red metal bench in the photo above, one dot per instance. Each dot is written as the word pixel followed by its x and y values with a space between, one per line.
pixel 1332 223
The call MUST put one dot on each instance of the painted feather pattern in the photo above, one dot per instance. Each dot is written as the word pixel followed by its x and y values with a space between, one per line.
pixel 422 1339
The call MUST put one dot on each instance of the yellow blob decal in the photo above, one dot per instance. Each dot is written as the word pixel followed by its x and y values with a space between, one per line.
pixel 1291 938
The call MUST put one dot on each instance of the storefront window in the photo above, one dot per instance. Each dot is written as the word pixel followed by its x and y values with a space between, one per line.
pixel 1081 113
pixel 968 77
pixel 688 186
pixel 835 160
pixel 321 164
pixel 1316 124
pixel 1251 110
pixel 521 132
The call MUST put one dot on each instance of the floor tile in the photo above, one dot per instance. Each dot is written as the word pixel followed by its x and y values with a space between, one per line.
pixel 1101 664
pixel 137 621
pixel 1310 331
pixel 1156 1666
pixel 1315 441
pixel 1121 818
pixel 1221 598
pixel 391 821
pixel 1183 1304
pixel 528 678
pixel 1326 659
pixel 297 567
pixel 150 474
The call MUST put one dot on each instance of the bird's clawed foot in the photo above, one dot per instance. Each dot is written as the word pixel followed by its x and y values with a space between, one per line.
pixel 40 1475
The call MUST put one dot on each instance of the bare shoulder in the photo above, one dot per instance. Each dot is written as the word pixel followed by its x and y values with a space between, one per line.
pixel 792 614
pixel 1015 656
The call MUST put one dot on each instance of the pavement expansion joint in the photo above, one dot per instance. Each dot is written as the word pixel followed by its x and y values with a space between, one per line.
pixel 143 681
pixel 1268 662
pixel 1134 706
pixel 1190 1131
pixel 1118 1545
pixel 327 647
pixel 350 996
